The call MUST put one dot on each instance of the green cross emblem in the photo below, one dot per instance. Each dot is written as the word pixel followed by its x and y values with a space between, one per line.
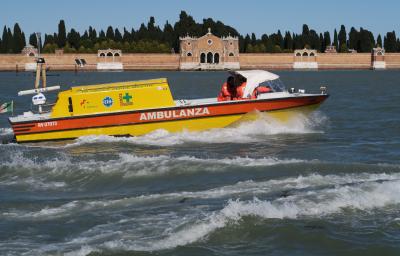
pixel 127 97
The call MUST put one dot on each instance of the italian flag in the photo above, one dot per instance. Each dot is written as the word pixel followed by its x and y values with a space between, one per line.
pixel 7 107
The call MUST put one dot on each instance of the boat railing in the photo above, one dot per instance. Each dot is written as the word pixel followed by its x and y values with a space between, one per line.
pixel 45 108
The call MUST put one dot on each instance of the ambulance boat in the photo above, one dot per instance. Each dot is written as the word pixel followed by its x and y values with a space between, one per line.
pixel 139 107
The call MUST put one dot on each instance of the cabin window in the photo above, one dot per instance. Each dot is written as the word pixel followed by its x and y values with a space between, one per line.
pixel 70 107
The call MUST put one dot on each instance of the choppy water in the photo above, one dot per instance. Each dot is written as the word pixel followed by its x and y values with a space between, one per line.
pixel 328 184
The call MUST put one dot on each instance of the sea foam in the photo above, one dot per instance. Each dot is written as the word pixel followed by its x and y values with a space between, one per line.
pixel 245 132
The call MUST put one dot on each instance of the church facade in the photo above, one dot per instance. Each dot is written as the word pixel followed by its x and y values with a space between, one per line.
pixel 209 52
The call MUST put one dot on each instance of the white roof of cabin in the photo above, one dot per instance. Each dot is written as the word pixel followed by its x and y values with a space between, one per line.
pixel 254 78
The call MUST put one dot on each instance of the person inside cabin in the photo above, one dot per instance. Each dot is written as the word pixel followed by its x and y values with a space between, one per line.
pixel 260 90
pixel 240 86
pixel 228 90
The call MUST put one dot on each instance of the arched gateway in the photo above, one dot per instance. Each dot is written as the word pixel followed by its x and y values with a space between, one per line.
pixel 209 52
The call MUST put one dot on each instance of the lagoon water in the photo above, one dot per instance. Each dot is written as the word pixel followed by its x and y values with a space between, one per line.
pixel 328 184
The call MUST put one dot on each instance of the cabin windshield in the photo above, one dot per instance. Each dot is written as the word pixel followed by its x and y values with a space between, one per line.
pixel 276 85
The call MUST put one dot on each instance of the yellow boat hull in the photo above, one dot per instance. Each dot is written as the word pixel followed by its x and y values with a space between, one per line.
pixel 195 124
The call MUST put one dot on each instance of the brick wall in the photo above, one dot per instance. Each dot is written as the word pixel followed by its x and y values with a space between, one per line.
pixel 171 61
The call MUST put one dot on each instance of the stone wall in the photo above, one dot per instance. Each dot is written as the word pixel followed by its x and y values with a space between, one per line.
pixel 266 61
pixel 344 61
pixel 392 60
pixel 10 62
pixel 67 61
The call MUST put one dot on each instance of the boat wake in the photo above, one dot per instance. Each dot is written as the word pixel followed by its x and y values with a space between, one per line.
pixel 313 196
pixel 61 171
pixel 246 132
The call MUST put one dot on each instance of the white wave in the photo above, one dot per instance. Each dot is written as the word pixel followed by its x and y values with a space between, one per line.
pixel 317 204
pixel 245 132
pixel 250 187
pixel 343 193
pixel 132 165
pixel 5 131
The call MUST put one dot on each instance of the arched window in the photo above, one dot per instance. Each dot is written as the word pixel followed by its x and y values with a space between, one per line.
pixel 298 54
pixel 116 54
pixel 189 54
pixel 31 54
pixel 109 54
pixel 102 54
pixel 216 58
pixel 209 57
pixel 379 54
pixel 203 58
pixel 231 54
pixel 312 54
pixel 305 54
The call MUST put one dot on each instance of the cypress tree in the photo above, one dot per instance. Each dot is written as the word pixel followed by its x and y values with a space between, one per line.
pixel 288 41
pixel 32 40
pixel 253 39
pixel 353 39
pixel 327 39
pixel 335 40
pixel 379 41
pixel 62 34
pixel 342 37
pixel 4 47
pixel 110 33
pixel 366 41
pixel 118 36
pixel 169 34
pixel 305 37
pixel 18 39
pixel 280 40
pixel 10 39
pixel 322 45
pixel 390 42
pixel 73 39
pixel 102 36
pixel 246 42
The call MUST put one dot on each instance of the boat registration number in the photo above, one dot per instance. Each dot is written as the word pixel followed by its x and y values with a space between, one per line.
pixel 47 124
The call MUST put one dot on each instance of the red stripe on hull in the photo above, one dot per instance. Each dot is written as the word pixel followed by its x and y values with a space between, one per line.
pixel 168 114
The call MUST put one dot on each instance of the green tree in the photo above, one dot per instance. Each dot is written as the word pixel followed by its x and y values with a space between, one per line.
pixel 18 39
pixel 110 33
pixel 32 40
pixel 342 37
pixel 390 42
pixel 327 38
pixel 288 41
pixel 62 34
pixel 73 39
pixel 118 35
pixel 354 39
pixel 379 41
pixel 335 40
pixel 5 41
